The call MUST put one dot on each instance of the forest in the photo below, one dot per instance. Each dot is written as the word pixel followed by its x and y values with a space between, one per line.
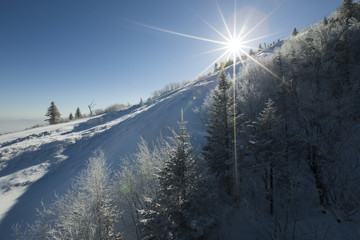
pixel 297 145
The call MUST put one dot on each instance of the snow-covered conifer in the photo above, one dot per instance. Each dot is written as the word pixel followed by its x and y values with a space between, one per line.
pixel 174 213
pixel 218 149
pixel 265 146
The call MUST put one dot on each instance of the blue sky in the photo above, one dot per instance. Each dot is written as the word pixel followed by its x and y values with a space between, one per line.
pixel 75 51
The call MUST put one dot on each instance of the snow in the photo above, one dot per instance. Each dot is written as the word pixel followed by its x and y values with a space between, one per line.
pixel 14 185
pixel 36 163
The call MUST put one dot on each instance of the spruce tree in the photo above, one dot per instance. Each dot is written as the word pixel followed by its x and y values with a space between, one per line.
pixel 53 114
pixel 170 216
pixel 78 114
pixel 294 32
pixel 325 21
pixel 71 117
pixel 218 149
pixel 266 148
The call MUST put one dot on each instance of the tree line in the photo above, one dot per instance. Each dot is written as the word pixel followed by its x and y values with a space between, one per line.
pixel 54 115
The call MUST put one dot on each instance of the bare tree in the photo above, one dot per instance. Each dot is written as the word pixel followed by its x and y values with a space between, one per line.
pixel 90 106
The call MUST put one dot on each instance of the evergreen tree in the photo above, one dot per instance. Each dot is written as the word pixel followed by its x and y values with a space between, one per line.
pixel 260 47
pixel 217 151
pixel 78 114
pixel 216 67
pixel 294 32
pixel 325 21
pixel 171 215
pixel 71 117
pixel 251 52
pixel 53 114
pixel 266 146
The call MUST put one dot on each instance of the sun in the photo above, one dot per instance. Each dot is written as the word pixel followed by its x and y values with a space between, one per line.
pixel 234 46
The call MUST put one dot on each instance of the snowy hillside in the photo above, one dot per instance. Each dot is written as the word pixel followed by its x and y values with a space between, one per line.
pixel 39 162
pixel 286 166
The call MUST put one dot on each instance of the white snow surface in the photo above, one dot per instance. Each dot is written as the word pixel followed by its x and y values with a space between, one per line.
pixel 36 163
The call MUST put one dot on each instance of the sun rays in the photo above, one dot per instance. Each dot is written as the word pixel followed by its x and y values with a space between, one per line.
pixel 235 43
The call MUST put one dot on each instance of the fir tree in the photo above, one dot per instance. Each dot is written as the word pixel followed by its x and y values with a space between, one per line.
pixel 266 146
pixel 172 214
pixel 294 32
pixel 325 21
pixel 78 114
pixel 53 114
pixel 71 117
pixel 217 151
pixel 216 67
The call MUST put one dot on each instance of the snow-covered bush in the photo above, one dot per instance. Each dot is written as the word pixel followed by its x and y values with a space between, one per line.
pixel 86 211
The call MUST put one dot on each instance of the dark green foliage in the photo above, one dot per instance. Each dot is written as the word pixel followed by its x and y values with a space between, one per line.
pixel 78 114
pixel 53 114
pixel 325 21
pixel 71 117
pixel 294 32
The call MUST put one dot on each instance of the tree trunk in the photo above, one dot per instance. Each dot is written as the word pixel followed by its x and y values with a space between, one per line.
pixel 316 170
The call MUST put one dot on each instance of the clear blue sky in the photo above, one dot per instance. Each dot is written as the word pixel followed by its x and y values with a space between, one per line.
pixel 75 51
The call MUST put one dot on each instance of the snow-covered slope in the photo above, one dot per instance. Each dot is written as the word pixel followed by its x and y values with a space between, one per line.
pixel 36 163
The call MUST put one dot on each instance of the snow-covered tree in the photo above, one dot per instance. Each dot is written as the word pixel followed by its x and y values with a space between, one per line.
pixel 347 9
pixel 137 185
pixel 71 117
pixel 176 212
pixel 53 114
pixel 218 149
pixel 86 211
pixel 267 147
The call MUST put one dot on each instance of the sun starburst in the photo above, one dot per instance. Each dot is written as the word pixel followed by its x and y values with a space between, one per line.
pixel 234 45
